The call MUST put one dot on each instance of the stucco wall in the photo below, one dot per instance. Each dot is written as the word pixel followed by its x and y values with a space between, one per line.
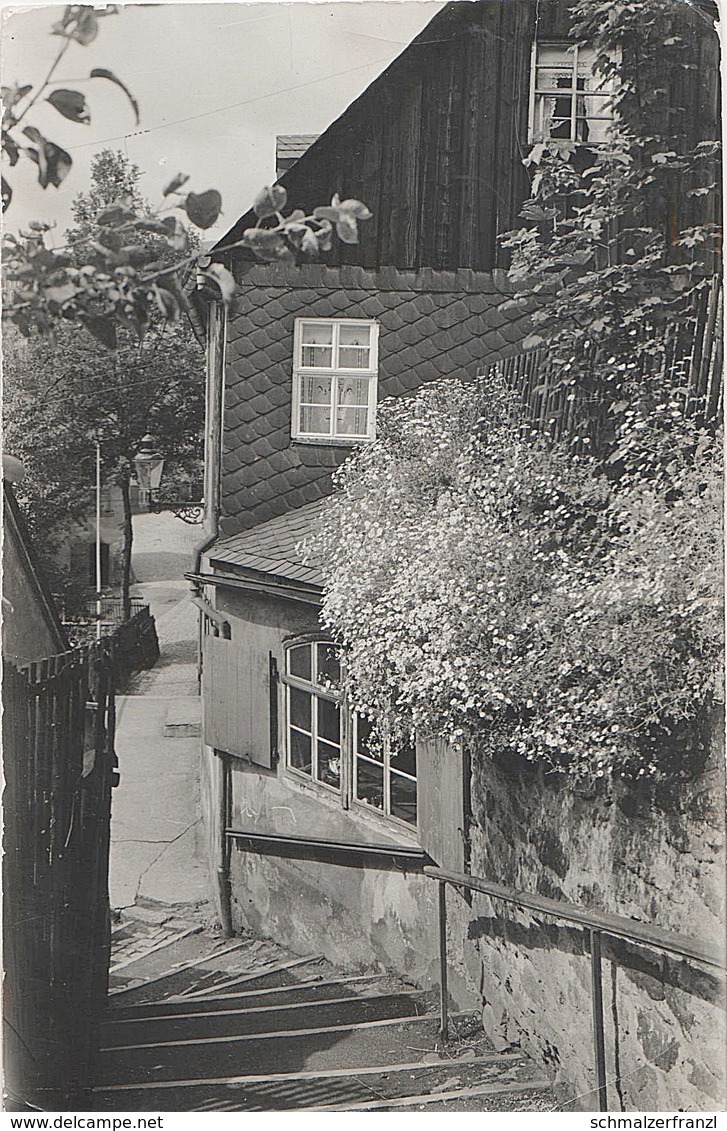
pixel 27 629
pixel 628 852
pixel 380 917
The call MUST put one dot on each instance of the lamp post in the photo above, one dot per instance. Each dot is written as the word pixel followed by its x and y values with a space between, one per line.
pixel 98 539
pixel 149 467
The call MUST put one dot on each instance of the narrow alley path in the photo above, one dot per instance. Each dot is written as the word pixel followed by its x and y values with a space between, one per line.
pixel 155 823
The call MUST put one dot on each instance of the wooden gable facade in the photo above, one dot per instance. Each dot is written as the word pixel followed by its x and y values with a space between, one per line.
pixel 435 148
pixel 435 145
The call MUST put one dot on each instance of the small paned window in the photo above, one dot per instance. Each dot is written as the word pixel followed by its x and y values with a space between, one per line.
pixel 313 713
pixel 334 380
pixel 340 749
pixel 385 776
pixel 568 100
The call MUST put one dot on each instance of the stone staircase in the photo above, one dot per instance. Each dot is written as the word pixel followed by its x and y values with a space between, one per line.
pixel 198 1024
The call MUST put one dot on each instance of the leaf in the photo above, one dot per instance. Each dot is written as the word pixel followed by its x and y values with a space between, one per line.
pixel 268 245
pixel 116 213
pixel 271 200
pixel 224 280
pixel 175 184
pixel 203 208
pixel 61 294
pixel 176 235
pixel 10 148
pixel 11 95
pixel 7 194
pixel 103 329
pixel 135 256
pixel 71 104
pixel 79 22
pixel 103 73
pixel 167 303
pixel 148 224
pixel 54 164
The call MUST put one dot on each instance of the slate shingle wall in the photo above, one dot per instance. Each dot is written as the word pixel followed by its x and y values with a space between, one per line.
pixel 433 324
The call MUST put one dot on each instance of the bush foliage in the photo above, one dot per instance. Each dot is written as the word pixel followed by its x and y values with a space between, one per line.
pixel 489 589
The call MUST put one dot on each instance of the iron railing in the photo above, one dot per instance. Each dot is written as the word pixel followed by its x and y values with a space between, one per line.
pixel 598 924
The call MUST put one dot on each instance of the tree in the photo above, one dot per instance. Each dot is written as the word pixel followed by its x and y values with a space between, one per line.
pixel 63 395
pixel 122 283
pixel 119 278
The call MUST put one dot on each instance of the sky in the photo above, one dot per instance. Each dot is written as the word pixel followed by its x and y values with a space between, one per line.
pixel 215 84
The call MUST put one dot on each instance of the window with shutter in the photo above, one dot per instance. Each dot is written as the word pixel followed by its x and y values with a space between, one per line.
pixel 442 803
pixel 236 691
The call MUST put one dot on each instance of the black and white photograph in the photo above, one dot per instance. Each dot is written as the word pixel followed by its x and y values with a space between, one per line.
pixel 362 562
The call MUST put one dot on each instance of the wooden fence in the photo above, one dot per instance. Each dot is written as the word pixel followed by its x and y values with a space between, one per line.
pixel 554 403
pixel 58 758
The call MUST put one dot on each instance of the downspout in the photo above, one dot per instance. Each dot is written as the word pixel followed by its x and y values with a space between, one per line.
pixel 224 883
pixel 214 396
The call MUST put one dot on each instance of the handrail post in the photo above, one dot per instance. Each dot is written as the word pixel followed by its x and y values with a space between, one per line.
pixel 443 990
pixel 599 1047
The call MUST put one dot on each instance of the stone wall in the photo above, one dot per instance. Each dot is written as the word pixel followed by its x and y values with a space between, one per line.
pixel 629 852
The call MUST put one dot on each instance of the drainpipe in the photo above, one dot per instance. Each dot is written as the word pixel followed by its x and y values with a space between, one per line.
pixel 224 884
pixel 214 394
pixel 214 397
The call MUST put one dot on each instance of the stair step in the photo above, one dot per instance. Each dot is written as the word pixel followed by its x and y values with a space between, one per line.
pixel 321 1048
pixel 343 1087
pixel 262 1019
pixel 308 990
pixel 463 1096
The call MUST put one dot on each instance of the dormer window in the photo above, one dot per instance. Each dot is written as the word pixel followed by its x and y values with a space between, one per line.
pixel 334 380
pixel 569 101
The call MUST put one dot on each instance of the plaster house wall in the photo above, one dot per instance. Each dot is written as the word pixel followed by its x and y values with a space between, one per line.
pixel 381 917
pixel 30 626
pixel 629 852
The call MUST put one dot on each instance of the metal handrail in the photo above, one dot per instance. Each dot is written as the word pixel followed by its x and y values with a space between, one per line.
pixel 360 849
pixel 597 923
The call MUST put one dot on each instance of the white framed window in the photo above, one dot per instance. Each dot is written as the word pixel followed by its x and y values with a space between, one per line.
pixel 384 776
pixel 313 712
pixel 568 100
pixel 334 380
pixel 329 745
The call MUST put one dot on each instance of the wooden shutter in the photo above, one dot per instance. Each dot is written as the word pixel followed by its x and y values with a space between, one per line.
pixel 441 803
pixel 236 697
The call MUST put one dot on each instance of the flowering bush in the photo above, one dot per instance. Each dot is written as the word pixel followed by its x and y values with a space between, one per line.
pixel 485 587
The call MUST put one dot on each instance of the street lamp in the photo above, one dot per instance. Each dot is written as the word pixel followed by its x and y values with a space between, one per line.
pixel 149 467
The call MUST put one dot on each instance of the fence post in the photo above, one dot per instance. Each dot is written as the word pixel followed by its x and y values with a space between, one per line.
pixel 597 1002
pixel 443 990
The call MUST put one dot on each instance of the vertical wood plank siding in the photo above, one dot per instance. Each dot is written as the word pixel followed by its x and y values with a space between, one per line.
pixel 58 767
pixel 428 148
pixel 551 404
pixel 435 145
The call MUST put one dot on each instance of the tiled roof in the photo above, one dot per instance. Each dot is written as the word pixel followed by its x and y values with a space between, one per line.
pixel 433 324
pixel 272 547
